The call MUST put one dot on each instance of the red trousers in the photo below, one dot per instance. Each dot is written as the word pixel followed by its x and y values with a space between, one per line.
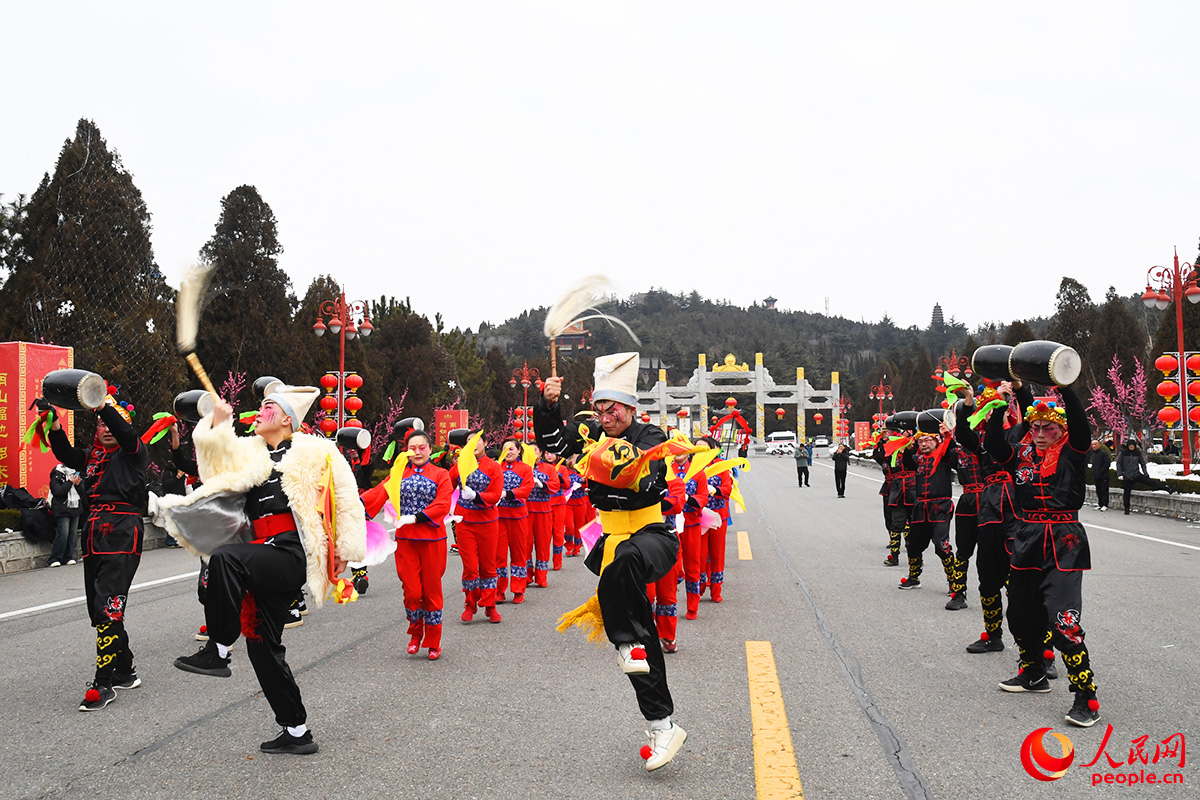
pixel 421 565
pixel 542 524
pixel 580 513
pixel 513 545
pixel 477 547
pixel 663 595
pixel 715 548
pixel 695 556
pixel 560 533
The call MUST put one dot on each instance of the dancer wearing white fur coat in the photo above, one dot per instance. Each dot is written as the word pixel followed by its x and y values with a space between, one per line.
pixel 257 520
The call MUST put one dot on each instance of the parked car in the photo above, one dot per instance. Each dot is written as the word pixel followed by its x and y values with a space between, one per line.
pixel 783 448
pixel 820 441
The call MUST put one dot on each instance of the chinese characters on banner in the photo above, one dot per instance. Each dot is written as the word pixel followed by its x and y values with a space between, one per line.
pixel 22 367
pixel 862 434
pixel 446 421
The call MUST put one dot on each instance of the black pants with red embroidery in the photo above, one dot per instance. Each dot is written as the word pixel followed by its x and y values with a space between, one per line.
pixel 250 587
pixel 106 582
pixel 1050 598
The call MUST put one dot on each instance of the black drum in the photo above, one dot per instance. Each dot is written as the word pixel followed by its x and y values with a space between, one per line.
pixel 458 437
pixel 401 428
pixel 75 389
pixel 992 361
pixel 349 438
pixel 265 386
pixel 931 421
pixel 902 421
pixel 1046 363
pixel 193 405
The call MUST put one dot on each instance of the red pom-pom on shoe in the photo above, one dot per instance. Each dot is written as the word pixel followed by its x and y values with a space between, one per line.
pixel 93 696
pixel 983 637
pixel 1093 704
pixel 204 629
pixel 1048 655
pixel 638 654
pixel 646 752
pixel 904 580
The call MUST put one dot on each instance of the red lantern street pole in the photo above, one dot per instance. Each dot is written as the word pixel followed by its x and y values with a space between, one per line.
pixel 526 377
pixel 341 318
pixel 879 392
pixel 1175 277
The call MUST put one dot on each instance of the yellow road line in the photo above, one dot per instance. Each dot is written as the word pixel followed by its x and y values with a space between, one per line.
pixel 744 553
pixel 775 771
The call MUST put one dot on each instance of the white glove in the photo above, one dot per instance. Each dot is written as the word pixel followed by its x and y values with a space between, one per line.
pixel 406 519
pixel 468 493
pixel 539 483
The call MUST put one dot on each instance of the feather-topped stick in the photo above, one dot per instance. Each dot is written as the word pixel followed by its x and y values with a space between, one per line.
pixel 188 305
pixel 582 297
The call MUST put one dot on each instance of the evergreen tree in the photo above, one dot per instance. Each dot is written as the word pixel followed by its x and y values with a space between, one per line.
pixel 1074 317
pixel 245 325
pixel 84 276
pixel 1018 331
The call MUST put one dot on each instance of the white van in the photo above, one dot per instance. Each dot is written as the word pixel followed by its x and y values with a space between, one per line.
pixel 781 443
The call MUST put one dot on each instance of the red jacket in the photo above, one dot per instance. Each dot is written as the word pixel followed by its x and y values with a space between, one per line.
pixel 424 493
pixel 541 501
pixel 518 483
pixel 698 490
pixel 488 481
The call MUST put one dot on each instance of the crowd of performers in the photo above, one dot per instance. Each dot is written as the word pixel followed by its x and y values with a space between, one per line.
pixel 1021 463
pixel 276 512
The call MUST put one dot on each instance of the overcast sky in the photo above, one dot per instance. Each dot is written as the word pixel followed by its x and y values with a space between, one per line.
pixel 479 157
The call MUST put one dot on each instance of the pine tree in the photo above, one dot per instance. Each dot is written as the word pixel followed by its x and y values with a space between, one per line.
pixel 245 326
pixel 84 274
pixel 1074 318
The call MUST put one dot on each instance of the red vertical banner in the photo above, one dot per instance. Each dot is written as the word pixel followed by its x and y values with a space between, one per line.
pixel 446 421
pixel 22 367
pixel 862 434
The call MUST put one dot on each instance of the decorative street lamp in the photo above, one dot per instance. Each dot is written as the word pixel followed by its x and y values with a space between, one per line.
pixel 1171 288
pixel 526 377
pixel 880 392
pixel 844 405
pixel 355 319
pixel 956 365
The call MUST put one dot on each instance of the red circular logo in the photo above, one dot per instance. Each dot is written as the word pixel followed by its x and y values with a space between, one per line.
pixel 1040 764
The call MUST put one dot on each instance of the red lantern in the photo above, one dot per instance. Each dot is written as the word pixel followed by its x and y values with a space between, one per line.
pixel 1193 364
pixel 714 417
pixel 520 412
pixel 1168 389
pixel 329 382
pixel 1194 388
pixel 1194 414
pixel 779 412
pixel 945 404
pixel 329 425
pixel 817 417
pixel 1169 415
pixel 730 402
pixel 354 382
pixel 645 417
pixel 1166 364
pixel 518 423
pixel 329 402
pixel 354 404
pixel 682 413
pixel 353 423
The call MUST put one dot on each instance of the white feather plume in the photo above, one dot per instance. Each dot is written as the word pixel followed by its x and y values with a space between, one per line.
pixel 188 306
pixel 582 297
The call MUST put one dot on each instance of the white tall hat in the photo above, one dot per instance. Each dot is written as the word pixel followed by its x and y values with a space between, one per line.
pixel 616 378
pixel 294 400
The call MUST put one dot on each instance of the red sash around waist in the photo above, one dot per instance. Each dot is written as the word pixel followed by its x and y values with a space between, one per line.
pixel 273 525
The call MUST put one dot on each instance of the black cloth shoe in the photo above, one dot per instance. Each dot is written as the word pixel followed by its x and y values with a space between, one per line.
pixel 130 681
pixel 205 662
pixel 988 645
pixel 1081 714
pixel 1051 670
pixel 97 697
pixel 891 561
pixel 1026 681
pixel 957 602
pixel 361 581
pixel 286 743
pixel 909 583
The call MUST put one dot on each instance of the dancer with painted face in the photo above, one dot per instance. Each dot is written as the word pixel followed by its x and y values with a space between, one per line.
pixel 275 481
pixel 1050 546
pixel 114 483
pixel 637 547
pixel 478 532
pixel 933 466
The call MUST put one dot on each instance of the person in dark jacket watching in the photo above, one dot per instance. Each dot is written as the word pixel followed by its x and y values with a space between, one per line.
pixel 841 463
pixel 1100 461
pixel 66 506
pixel 1131 469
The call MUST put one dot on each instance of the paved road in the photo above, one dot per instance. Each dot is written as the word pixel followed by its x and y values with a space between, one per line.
pixel 881 700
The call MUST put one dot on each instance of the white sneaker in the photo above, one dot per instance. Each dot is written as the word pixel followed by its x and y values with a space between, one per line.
pixel 70 561
pixel 56 563
pixel 664 744
pixel 1104 508
pixel 632 658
